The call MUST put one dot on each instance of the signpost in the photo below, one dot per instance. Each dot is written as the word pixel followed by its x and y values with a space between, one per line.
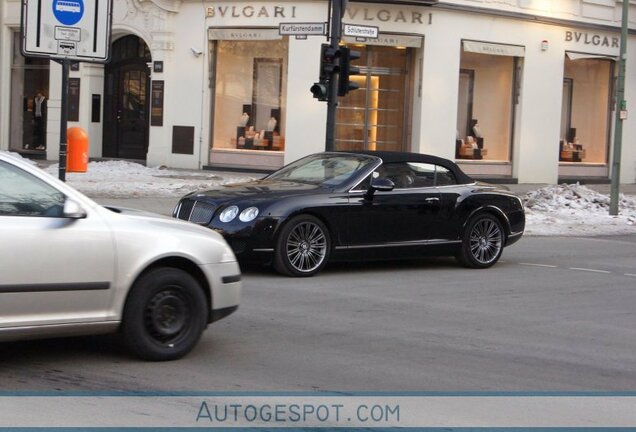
pixel 66 31
pixel 302 29
pixel 360 31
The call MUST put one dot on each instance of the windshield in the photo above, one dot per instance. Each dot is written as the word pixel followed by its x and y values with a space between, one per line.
pixel 326 169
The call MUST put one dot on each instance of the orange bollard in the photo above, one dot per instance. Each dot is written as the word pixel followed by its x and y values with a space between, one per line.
pixel 77 150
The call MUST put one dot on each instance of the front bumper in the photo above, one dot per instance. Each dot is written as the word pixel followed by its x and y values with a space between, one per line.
pixel 252 241
pixel 225 288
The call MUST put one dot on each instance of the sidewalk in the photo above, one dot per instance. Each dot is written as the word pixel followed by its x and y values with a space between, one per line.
pixel 517 188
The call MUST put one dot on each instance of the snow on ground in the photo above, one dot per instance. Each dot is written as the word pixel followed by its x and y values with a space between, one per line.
pixel 122 179
pixel 553 210
pixel 573 209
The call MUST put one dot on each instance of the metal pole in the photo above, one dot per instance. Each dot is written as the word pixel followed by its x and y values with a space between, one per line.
pixel 66 65
pixel 335 27
pixel 621 107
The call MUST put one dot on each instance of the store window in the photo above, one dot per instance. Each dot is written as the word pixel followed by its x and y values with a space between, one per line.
pixel 249 94
pixel 485 108
pixel 374 117
pixel 585 113
pixel 29 101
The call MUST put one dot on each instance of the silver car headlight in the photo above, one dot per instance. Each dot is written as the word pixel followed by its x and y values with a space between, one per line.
pixel 249 214
pixel 229 213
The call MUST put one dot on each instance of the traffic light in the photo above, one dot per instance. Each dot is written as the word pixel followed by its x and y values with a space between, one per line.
pixel 320 90
pixel 328 55
pixel 345 70
pixel 328 65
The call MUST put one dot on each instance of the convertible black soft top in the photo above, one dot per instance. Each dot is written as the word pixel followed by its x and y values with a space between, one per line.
pixel 389 156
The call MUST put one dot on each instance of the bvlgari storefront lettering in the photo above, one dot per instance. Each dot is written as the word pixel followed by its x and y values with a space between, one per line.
pixel 591 39
pixel 251 11
pixel 352 13
pixel 384 15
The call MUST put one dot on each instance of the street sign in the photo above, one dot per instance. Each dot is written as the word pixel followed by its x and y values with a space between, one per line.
pixel 74 30
pixel 361 31
pixel 303 29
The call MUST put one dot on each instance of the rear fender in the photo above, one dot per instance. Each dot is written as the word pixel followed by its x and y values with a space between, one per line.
pixel 493 210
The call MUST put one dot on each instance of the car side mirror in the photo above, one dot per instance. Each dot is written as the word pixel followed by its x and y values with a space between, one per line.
pixel 382 184
pixel 73 210
pixel 379 184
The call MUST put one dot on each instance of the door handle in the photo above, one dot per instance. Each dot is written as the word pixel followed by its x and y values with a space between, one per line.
pixel 431 200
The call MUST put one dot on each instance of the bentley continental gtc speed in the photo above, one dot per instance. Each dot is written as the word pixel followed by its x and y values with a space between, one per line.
pixel 69 266
pixel 360 205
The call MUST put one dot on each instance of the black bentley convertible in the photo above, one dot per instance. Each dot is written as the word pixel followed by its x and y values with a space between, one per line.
pixel 362 205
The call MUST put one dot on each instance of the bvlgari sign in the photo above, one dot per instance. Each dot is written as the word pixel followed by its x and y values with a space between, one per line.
pixel 367 15
pixel 591 39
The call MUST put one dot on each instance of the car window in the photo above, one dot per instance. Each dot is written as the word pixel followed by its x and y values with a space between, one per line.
pixel 444 177
pixel 409 175
pixel 22 194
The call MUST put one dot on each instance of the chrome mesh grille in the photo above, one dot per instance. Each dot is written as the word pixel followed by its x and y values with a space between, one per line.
pixel 198 212
pixel 184 210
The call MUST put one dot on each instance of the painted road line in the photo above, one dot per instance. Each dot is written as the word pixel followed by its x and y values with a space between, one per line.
pixel 538 265
pixel 630 274
pixel 590 270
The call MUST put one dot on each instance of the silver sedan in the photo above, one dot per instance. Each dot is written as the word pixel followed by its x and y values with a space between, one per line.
pixel 69 266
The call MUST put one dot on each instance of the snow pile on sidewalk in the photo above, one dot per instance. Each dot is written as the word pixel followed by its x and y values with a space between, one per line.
pixel 576 210
pixel 122 179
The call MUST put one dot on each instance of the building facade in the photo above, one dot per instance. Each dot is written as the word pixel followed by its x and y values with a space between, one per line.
pixel 515 89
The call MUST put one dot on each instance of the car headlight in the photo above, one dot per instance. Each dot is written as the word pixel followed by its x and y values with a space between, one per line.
pixel 229 213
pixel 249 214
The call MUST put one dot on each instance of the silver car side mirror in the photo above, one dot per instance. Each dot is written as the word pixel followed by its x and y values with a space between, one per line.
pixel 73 210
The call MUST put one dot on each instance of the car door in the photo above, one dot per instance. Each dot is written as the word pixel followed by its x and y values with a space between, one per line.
pixel 404 216
pixel 54 270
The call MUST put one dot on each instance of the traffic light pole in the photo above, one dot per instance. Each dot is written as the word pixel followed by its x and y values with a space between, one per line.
pixel 66 65
pixel 335 28
pixel 621 107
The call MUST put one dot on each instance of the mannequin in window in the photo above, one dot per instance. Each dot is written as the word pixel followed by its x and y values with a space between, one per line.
pixel 477 133
pixel 39 122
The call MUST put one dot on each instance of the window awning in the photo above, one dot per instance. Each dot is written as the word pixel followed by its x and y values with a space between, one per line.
pixel 579 56
pixel 385 39
pixel 243 34
pixel 494 49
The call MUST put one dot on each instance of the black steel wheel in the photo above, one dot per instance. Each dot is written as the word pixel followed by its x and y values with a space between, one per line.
pixel 164 315
pixel 303 246
pixel 483 242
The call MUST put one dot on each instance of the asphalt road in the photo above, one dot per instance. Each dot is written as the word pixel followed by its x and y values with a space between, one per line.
pixel 554 314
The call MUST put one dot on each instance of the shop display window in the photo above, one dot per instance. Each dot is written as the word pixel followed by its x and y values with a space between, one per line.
pixel 249 96
pixel 374 116
pixel 485 109
pixel 29 78
pixel 585 112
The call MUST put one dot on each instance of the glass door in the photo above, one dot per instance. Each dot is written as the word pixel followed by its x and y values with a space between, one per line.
pixel 374 117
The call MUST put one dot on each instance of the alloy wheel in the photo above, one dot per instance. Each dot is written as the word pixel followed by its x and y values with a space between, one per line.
pixel 485 241
pixel 306 247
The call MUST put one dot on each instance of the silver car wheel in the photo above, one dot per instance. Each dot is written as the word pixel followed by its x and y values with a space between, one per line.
pixel 486 240
pixel 306 247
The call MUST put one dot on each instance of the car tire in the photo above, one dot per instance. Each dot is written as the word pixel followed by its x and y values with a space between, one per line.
pixel 164 315
pixel 302 247
pixel 482 243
